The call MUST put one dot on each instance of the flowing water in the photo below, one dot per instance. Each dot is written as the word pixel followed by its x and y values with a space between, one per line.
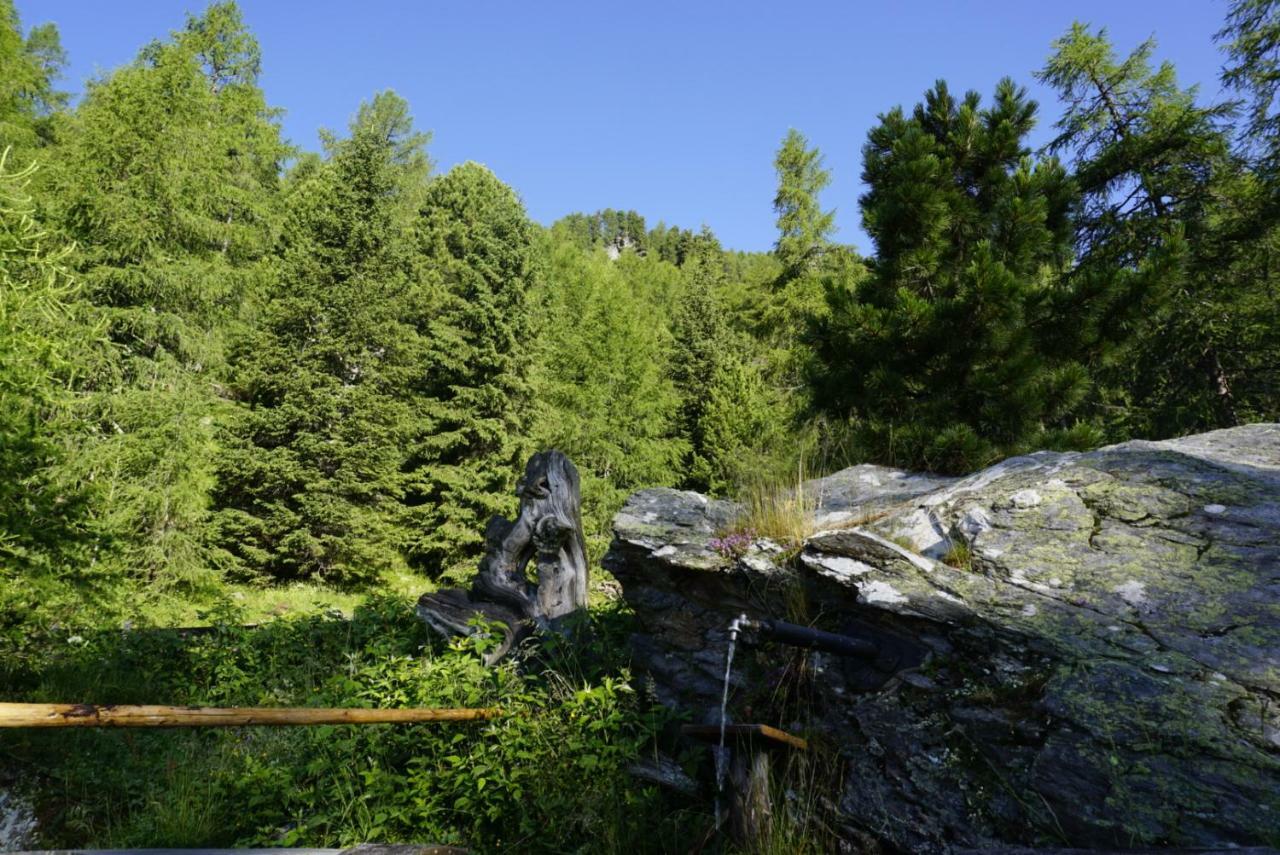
pixel 722 756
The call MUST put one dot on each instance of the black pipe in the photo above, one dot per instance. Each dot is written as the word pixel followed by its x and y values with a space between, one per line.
pixel 816 639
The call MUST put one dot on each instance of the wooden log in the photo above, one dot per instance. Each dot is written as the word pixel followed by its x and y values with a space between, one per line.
pixel 148 715
pixel 751 735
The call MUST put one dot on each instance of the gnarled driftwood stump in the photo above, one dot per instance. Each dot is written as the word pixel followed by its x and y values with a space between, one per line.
pixel 547 532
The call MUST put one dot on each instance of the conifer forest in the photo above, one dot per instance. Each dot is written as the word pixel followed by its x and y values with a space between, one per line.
pixel 257 395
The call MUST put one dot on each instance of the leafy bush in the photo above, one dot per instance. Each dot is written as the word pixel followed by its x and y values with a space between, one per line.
pixel 549 775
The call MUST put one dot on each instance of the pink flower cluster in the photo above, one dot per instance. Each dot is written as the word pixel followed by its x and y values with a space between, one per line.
pixel 733 545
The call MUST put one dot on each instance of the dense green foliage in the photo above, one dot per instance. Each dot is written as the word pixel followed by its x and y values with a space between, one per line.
pixel 45 531
pixel 29 65
pixel 939 352
pixel 310 477
pixel 226 365
pixel 473 231
pixel 330 366
pixel 548 776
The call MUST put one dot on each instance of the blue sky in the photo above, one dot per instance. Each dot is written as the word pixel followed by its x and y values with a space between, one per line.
pixel 673 109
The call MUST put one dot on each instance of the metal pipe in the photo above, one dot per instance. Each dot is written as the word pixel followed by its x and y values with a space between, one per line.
pixel 806 637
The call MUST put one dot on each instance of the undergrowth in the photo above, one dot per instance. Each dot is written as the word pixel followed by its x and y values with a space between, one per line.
pixel 548 776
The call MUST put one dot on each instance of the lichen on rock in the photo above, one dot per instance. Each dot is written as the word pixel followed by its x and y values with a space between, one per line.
pixel 1101 669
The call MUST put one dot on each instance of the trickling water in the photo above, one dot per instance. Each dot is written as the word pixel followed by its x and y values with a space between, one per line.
pixel 722 756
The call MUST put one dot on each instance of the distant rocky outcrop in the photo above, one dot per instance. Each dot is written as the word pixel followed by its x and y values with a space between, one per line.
pixel 1096 637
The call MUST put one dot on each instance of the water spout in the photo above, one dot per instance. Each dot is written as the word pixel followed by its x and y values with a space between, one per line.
pixel 736 626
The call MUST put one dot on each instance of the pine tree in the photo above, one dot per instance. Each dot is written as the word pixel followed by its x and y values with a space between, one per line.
pixel 473 233
pixel 310 483
pixel 937 355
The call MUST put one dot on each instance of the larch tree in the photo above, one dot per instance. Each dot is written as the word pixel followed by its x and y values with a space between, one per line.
pixel 29 65
pixel 802 249
pixel 167 182
pixel 804 228
pixel 1251 40
pixel 602 394
pixel 47 532
pixel 1152 308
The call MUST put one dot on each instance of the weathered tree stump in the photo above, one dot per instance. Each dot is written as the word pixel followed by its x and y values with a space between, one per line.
pixel 547 532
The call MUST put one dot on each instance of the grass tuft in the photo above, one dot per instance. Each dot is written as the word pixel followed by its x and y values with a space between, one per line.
pixel 781 511
pixel 959 556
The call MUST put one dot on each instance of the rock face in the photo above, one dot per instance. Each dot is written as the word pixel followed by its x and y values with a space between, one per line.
pixel 1098 639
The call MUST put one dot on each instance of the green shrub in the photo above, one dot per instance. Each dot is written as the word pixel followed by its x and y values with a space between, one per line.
pixel 549 775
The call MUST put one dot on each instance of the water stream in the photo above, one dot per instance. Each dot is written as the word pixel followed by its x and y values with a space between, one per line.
pixel 722 756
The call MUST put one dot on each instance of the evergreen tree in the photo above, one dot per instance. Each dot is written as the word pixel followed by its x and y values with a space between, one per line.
pixel 671 244
pixel 937 355
pixel 601 391
pixel 310 483
pixel 167 183
pixel 1248 233
pixel 702 344
pixel 1153 314
pixel 46 522
pixel 804 229
pixel 29 65
pixel 473 232
pixel 1251 39
pixel 806 257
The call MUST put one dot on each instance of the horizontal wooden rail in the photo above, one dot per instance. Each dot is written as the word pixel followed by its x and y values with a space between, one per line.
pixel 130 715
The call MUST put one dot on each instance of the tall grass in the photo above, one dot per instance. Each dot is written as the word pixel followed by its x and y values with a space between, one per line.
pixel 780 509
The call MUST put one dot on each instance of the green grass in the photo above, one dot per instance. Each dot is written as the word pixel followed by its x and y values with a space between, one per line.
pixel 959 555
pixel 257 603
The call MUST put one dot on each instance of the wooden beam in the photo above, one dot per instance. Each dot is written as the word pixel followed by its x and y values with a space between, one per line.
pixel 754 734
pixel 130 715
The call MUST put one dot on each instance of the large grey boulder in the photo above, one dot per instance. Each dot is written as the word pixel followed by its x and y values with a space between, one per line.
pixel 1098 639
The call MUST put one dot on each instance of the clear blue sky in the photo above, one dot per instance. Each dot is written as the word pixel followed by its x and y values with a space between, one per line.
pixel 673 109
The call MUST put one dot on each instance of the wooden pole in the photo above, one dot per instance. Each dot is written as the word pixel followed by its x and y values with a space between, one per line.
pixel 129 715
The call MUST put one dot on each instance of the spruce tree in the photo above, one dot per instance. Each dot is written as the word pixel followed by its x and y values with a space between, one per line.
pixel 701 345
pixel 310 481
pixel 937 355
pixel 473 233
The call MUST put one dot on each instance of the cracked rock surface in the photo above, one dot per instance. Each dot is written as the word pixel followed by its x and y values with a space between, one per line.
pixel 1092 640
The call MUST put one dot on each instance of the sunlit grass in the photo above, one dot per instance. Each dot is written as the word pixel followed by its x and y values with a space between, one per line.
pixel 778 509
pixel 261 602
